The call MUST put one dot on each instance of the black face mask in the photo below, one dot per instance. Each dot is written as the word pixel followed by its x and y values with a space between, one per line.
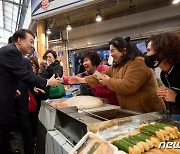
pixel 152 61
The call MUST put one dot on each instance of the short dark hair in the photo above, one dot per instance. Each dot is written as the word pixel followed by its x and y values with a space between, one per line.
pixel 50 51
pixel 166 46
pixel 93 56
pixel 131 50
pixel 21 33
pixel 10 40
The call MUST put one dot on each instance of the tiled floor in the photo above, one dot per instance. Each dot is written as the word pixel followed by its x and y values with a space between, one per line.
pixel 16 140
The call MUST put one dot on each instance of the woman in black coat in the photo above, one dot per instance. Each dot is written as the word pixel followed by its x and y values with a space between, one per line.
pixel 164 52
pixel 48 67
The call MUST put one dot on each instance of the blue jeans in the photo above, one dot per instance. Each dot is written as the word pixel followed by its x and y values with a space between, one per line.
pixel 176 117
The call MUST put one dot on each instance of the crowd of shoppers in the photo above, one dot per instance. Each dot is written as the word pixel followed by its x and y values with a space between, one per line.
pixel 133 82
pixel 128 83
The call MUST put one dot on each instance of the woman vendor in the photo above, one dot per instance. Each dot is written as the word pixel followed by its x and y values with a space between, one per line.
pixel 133 82
pixel 91 62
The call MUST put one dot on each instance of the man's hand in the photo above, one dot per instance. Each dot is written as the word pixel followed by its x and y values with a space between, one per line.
pixel 103 80
pixel 53 81
pixel 77 80
pixel 38 90
pixel 167 94
pixel 18 93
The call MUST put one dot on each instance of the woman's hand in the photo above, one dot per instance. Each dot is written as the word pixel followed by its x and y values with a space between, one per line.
pixel 103 80
pixel 42 66
pixel 77 80
pixel 167 94
pixel 170 95
pixel 161 92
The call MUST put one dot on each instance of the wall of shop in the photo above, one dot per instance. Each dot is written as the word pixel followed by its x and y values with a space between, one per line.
pixel 139 25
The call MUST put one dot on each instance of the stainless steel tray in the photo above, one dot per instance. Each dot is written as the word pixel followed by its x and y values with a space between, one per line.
pixel 115 113
pixel 74 124
pixel 126 125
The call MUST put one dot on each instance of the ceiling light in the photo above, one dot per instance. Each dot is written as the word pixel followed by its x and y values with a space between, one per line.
pixel 68 27
pixel 176 1
pixel 98 18
pixel 98 15
pixel 48 31
pixel 132 5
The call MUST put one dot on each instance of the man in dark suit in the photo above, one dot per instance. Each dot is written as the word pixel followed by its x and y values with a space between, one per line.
pixel 12 69
pixel 21 108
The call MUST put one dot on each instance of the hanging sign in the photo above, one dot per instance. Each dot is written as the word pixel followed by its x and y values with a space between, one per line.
pixel 44 8
pixel 45 3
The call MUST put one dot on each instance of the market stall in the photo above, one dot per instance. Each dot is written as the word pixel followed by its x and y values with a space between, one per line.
pixel 66 126
pixel 72 123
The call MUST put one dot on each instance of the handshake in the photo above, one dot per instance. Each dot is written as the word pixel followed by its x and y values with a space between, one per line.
pixel 54 81
pixel 95 79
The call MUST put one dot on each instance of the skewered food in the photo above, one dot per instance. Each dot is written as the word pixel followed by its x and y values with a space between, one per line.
pixel 136 143
pixel 164 132
pixel 94 145
pixel 147 137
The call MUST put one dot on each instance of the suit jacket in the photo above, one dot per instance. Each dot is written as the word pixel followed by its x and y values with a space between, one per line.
pixel 23 87
pixel 12 68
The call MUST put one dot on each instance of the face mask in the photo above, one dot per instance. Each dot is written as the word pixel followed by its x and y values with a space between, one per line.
pixel 152 61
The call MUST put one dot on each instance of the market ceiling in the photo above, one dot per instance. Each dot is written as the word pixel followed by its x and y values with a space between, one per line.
pixel 12 14
pixel 109 9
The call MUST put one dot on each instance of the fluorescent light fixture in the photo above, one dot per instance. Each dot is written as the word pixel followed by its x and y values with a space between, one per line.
pixel 176 1
pixel 68 27
pixel 48 31
pixel 98 18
